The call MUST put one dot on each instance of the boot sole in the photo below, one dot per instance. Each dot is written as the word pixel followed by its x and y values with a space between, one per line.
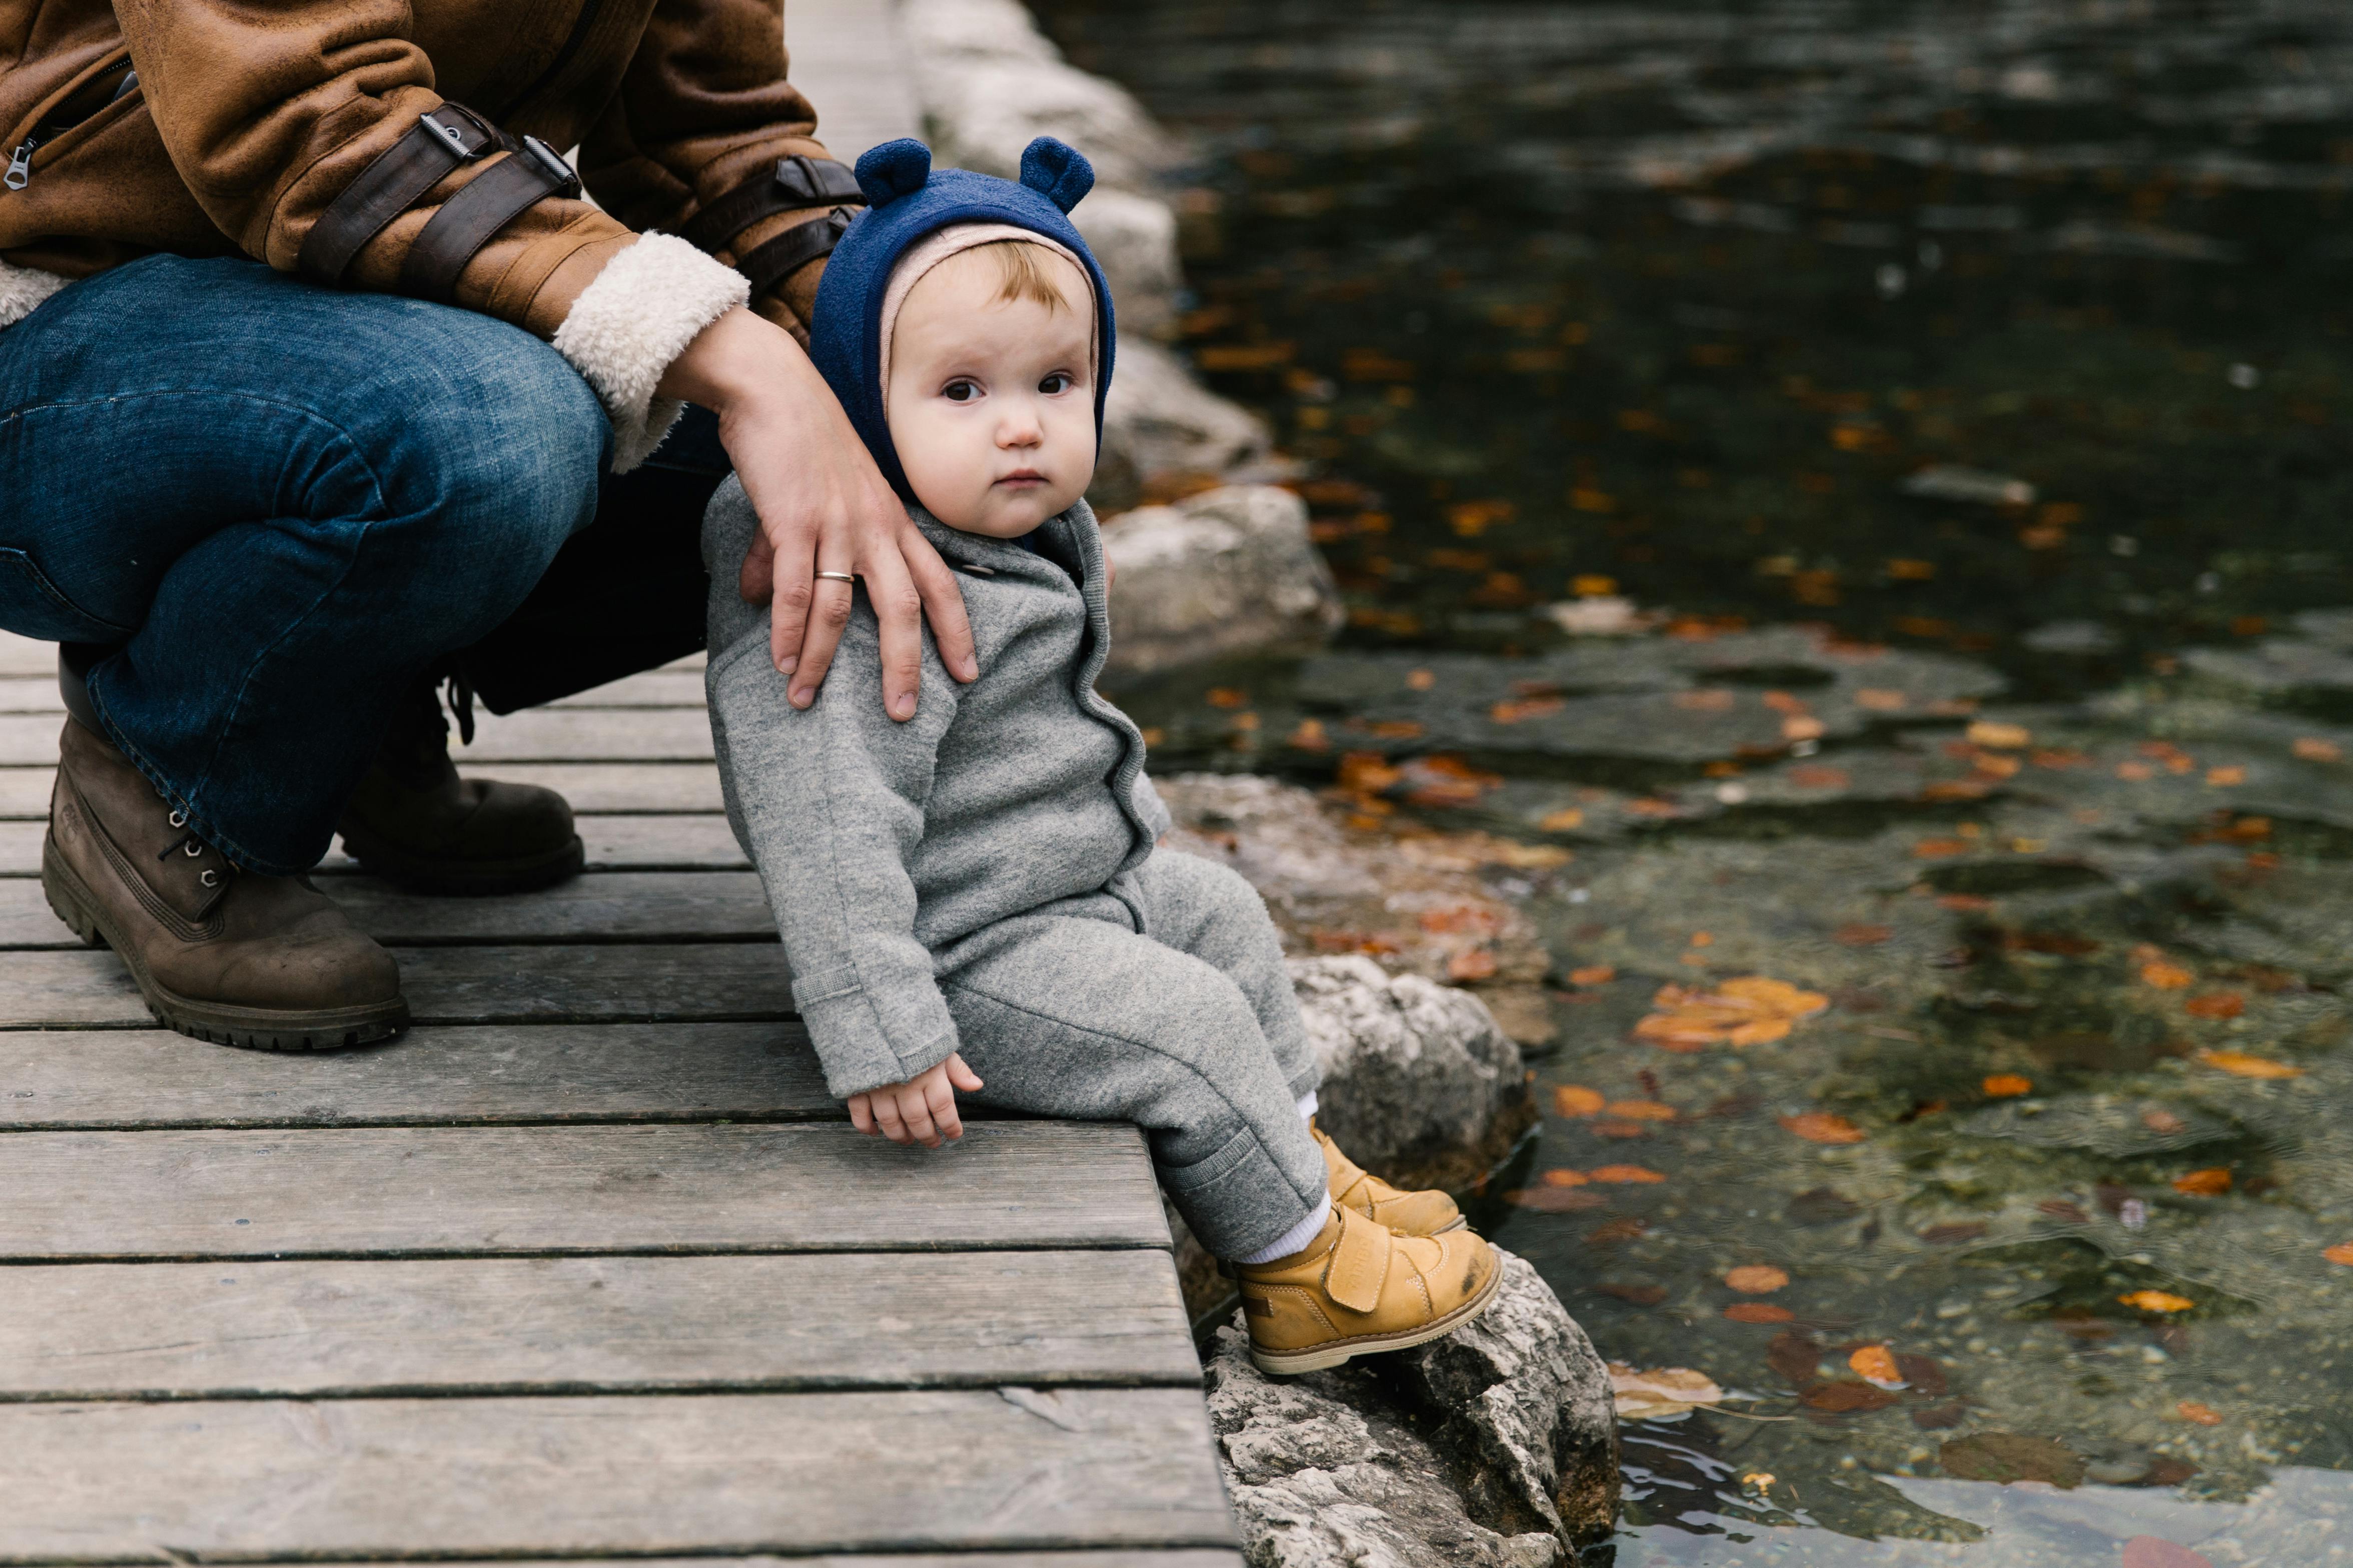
pixel 1288 1364
pixel 249 1028
pixel 462 879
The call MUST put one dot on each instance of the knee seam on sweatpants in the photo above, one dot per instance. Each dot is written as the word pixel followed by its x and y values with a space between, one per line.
pixel 1248 1128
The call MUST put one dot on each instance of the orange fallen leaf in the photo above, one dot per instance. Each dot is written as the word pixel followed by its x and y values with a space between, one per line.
pixel 1878 700
pixel 1762 1032
pixel 1747 1011
pixel 1998 736
pixel 2313 750
pixel 1643 1109
pixel 1801 727
pixel 1861 935
pixel 2220 777
pixel 1560 1177
pixel 2341 1253
pixel 2239 1063
pixel 1823 1127
pixel 1473 963
pixel 2216 1005
pixel 1576 1099
pixel 1759 1312
pixel 2165 976
pixel 2134 772
pixel 1816 776
pixel 1623 1175
pixel 1876 1364
pixel 1702 938
pixel 1421 680
pixel 1617 1129
pixel 1519 710
pixel 2157 1302
pixel 1368 773
pixel 1782 702
pixel 1593 974
pixel 2204 1414
pixel 1756 1278
pixel 1939 848
pixel 1226 697
pixel 1564 821
pixel 2007 1085
pixel 2211 1182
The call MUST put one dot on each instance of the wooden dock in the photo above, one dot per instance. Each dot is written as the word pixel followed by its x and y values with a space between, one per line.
pixel 588 1266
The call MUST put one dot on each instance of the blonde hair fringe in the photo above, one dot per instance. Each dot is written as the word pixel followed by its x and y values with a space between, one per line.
pixel 1024 271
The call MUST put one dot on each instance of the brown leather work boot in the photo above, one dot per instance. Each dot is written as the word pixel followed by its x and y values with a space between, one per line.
pixel 414 822
pixel 1427 1211
pixel 1360 1288
pixel 223 954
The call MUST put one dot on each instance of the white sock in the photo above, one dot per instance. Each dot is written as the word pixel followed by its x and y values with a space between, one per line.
pixel 1307 1103
pixel 1291 1240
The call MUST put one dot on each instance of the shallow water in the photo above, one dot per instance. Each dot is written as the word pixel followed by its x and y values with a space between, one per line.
pixel 1957 394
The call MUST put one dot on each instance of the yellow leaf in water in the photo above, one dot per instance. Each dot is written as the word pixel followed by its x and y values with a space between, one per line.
pixel 1565 821
pixel 1880 699
pixel 1226 697
pixel 1823 1127
pixel 2157 1302
pixel 1421 680
pixel 1876 1364
pixel 2341 1253
pixel 1593 974
pixel 2313 750
pixel 1576 1099
pixel 1667 1394
pixel 1756 1278
pixel 2239 1063
pixel 1561 1177
pixel 2211 1182
pixel 1624 1175
pixel 1642 1110
pixel 2007 1085
pixel 2204 1414
pixel 1998 736
pixel 1760 1032
pixel 2225 776
pixel 2165 976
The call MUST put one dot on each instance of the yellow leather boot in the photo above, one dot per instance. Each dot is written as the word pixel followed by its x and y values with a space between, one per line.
pixel 1359 1287
pixel 1424 1212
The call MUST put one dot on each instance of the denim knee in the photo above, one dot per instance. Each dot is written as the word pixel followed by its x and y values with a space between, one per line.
pixel 495 460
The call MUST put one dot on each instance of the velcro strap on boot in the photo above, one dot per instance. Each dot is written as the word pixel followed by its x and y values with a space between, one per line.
pixel 1360 1262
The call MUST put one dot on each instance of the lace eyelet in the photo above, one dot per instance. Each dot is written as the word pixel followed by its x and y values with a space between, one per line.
pixel 196 848
pixel 179 819
pixel 210 879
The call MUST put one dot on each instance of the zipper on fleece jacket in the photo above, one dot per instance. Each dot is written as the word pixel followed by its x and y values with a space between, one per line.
pixel 64 118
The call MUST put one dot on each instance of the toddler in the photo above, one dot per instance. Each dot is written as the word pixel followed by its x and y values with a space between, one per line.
pixel 970 900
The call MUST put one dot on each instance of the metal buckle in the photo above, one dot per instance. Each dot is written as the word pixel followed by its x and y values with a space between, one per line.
pixel 567 180
pixel 817 181
pixel 451 136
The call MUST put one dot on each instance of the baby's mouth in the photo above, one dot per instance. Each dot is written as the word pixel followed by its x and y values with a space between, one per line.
pixel 1023 477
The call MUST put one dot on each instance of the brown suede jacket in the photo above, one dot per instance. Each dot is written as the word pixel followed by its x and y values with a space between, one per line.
pixel 248 117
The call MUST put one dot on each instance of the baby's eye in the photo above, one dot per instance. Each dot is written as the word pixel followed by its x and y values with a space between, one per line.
pixel 1060 381
pixel 960 390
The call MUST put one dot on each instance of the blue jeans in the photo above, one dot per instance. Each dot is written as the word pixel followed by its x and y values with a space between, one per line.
pixel 280 504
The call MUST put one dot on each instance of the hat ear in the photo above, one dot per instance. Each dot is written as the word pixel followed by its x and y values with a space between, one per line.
pixel 894 169
pixel 1056 170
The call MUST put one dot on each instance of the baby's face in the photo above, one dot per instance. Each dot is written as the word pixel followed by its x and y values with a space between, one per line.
pixel 992 402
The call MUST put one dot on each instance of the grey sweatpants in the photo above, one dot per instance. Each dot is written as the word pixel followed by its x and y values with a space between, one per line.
pixel 1189 1029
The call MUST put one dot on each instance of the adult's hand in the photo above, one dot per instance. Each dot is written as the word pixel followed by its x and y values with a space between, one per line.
pixel 823 507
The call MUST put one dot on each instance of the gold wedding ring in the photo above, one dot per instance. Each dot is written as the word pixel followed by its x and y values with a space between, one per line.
pixel 838 576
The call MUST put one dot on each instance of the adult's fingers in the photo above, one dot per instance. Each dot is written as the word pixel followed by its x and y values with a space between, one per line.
pixel 943 1110
pixel 917 1110
pixel 898 614
pixel 791 593
pixel 757 582
pixel 828 613
pixel 942 604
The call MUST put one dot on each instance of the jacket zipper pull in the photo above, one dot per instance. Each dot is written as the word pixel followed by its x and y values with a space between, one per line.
pixel 20 165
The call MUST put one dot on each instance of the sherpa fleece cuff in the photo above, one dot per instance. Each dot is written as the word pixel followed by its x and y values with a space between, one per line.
pixel 22 290
pixel 632 321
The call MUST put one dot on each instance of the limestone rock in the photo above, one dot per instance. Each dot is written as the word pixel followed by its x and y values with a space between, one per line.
pixel 1226 572
pixel 1416 906
pixel 1133 238
pixel 1495 1445
pixel 1420 1085
pixel 1159 422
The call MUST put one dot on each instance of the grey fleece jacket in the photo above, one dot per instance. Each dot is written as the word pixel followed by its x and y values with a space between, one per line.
pixel 882 844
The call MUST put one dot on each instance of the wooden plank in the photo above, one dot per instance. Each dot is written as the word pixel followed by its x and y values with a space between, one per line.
pixel 23 656
pixel 343 1328
pixel 708 1473
pixel 675 842
pixel 488 1191
pixel 654 688
pixel 609 906
pixel 541 734
pixel 30 694
pixel 55 1080
pixel 685 983
pixel 589 786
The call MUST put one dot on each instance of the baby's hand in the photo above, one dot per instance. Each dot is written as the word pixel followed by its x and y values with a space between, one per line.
pixel 921 1110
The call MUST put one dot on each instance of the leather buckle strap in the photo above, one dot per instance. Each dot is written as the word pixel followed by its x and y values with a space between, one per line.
pixel 490 201
pixel 397 179
pixel 796 184
pixel 771 264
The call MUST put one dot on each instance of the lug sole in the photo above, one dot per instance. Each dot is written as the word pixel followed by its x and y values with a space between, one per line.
pixel 466 879
pixel 1323 1357
pixel 221 1023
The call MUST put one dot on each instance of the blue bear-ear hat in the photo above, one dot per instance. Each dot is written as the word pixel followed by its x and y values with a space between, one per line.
pixel 908 202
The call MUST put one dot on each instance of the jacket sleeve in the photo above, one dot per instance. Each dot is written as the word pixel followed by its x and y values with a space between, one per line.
pixel 269 112
pixel 705 107
pixel 829 802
